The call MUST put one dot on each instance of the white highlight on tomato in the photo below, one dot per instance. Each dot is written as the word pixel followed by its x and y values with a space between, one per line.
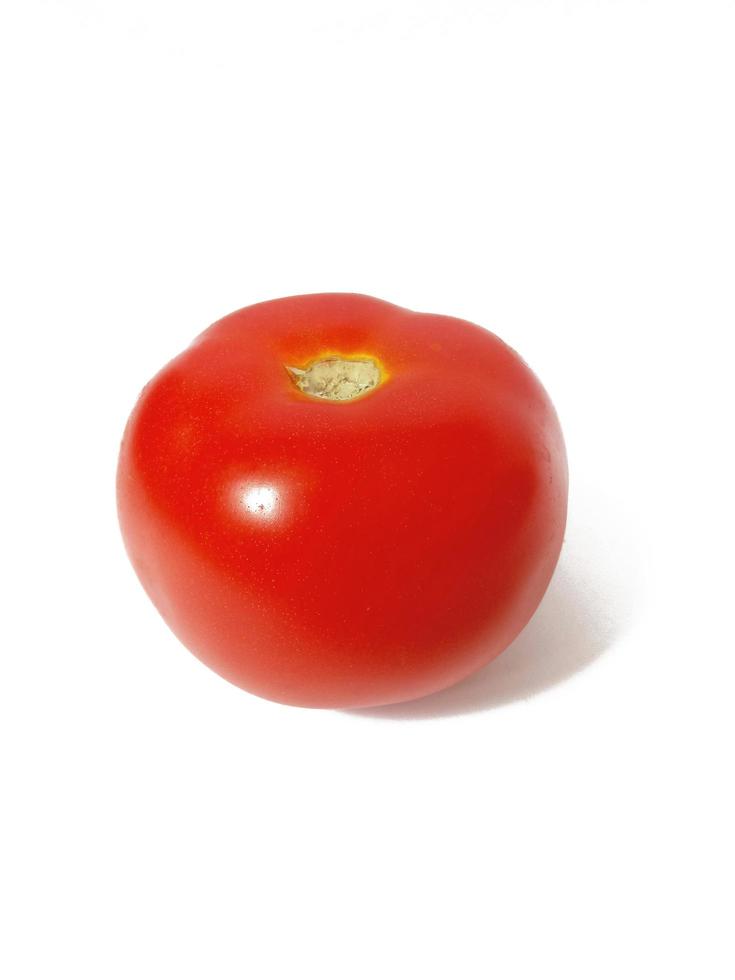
pixel 260 501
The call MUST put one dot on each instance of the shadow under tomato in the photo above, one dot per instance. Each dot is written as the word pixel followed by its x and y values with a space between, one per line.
pixel 580 617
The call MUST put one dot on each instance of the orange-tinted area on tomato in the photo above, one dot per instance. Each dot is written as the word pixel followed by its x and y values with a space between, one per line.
pixel 343 552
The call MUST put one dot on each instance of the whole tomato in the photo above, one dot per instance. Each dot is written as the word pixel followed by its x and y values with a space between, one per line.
pixel 334 501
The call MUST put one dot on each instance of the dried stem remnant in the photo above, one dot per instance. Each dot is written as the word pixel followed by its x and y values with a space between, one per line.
pixel 337 379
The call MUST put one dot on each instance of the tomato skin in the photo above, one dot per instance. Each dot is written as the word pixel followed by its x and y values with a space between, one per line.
pixel 344 554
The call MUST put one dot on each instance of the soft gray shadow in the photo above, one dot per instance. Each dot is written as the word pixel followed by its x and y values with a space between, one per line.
pixel 579 618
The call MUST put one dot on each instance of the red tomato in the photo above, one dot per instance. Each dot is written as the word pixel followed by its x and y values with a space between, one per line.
pixel 333 501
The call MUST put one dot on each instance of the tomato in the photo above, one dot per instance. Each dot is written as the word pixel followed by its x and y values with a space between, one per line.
pixel 334 501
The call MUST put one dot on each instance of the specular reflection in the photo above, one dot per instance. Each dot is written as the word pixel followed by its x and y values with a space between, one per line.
pixel 260 500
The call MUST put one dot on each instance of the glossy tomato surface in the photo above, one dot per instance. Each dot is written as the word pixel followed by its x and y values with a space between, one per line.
pixel 345 552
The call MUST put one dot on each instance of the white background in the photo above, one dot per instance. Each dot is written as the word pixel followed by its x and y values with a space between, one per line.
pixel 561 172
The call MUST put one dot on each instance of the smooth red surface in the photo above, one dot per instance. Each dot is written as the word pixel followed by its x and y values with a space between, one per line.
pixel 344 553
